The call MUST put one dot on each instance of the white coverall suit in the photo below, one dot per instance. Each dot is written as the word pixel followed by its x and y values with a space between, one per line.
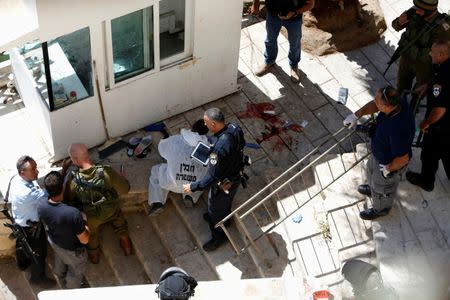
pixel 179 169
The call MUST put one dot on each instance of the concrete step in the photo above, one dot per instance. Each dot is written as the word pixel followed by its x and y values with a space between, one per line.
pixel 147 245
pixel 183 250
pixel 100 274
pixel 128 269
pixel 15 281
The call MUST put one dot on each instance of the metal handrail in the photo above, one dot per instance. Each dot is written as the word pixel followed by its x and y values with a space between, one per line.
pixel 220 223
pixel 239 218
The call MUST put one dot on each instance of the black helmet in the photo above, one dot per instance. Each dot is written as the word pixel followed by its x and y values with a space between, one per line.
pixel 175 284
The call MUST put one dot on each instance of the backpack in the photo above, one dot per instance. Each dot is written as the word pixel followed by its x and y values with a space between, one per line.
pixel 93 192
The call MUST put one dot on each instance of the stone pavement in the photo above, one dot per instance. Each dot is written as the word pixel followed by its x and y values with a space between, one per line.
pixel 411 243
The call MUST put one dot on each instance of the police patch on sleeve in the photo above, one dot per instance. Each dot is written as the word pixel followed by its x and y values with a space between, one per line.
pixel 446 26
pixel 437 90
pixel 213 159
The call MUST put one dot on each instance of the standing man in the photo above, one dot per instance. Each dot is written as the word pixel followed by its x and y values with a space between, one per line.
pixel 179 169
pixel 423 24
pixel 96 190
pixel 67 233
pixel 287 13
pixel 436 126
pixel 224 173
pixel 391 141
pixel 24 195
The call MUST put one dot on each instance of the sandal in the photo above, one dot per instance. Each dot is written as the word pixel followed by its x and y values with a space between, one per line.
pixel 133 142
pixel 143 146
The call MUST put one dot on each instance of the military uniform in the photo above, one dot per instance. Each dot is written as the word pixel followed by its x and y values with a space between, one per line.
pixel 415 62
pixel 95 191
pixel 436 142
pixel 226 162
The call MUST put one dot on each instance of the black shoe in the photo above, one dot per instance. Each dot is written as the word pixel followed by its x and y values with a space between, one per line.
pixel 417 179
pixel 213 244
pixel 207 218
pixel 156 209
pixel 364 189
pixel 372 214
pixel 188 201
pixel 44 282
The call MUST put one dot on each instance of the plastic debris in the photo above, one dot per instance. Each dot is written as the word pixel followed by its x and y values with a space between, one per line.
pixel 297 219
pixel 252 145
pixel 303 123
pixel 342 97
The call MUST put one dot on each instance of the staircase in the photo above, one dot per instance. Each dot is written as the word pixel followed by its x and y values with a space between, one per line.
pixel 315 247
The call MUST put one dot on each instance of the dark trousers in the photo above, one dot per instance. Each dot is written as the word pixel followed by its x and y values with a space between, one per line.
pixel 219 206
pixel 38 242
pixel 436 146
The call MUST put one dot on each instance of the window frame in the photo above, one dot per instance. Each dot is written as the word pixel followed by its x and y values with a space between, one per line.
pixel 158 64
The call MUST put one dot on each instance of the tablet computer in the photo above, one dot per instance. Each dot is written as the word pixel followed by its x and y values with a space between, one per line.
pixel 201 153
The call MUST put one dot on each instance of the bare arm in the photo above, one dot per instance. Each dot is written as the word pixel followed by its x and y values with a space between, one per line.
pixel 435 115
pixel 398 163
pixel 306 7
pixel 368 109
pixel 84 236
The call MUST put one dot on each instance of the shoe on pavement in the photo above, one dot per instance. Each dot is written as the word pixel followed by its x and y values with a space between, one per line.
pixel 417 179
pixel 125 244
pixel 213 244
pixel 295 75
pixel 372 214
pixel 263 69
pixel 156 209
pixel 364 189
pixel 188 201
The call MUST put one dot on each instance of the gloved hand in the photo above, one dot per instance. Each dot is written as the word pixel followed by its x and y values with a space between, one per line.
pixel 350 121
pixel 384 171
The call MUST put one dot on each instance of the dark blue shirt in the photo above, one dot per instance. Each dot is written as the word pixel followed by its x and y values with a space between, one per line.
pixel 62 222
pixel 394 134
pixel 225 159
pixel 439 93
pixel 283 7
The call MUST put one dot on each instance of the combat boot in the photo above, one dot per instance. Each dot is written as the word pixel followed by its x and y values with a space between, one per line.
pixel 94 256
pixel 125 244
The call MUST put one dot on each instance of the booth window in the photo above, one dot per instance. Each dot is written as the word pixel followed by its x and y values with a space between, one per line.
pixel 65 62
pixel 132 44
pixel 172 15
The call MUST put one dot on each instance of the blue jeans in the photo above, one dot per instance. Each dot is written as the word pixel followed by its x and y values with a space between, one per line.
pixel 273 27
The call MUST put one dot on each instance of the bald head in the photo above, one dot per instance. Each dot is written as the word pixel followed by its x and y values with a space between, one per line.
pixel 440 51
pixel 79 154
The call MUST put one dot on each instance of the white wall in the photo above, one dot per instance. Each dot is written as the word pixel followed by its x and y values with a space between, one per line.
pixel 210 75
pixel 36 108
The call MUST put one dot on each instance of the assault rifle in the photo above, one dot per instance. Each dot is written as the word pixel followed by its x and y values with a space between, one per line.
pixel 20 235
pixel 401 50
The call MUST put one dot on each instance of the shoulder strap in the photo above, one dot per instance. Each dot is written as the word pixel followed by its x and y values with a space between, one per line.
pixel 9 187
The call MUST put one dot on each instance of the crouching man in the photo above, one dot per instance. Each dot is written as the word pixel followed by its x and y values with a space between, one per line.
pixel 391 141
pixel 67 232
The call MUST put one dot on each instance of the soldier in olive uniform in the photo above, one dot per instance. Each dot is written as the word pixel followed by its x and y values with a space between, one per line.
pixel 423 24
pixel 95 189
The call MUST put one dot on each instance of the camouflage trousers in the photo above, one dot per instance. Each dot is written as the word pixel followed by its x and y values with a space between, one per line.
pixel 116 219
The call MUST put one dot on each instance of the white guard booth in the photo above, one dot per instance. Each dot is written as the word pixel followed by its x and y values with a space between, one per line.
pixel 147 60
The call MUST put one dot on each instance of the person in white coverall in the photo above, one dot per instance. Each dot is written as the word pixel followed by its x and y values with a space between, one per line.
pixel 179 169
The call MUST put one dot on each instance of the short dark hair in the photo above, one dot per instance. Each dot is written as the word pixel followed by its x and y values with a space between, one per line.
pixel 200 127
pixel 215 114
pixel 390 96
pixel 22 162
pixel 53 183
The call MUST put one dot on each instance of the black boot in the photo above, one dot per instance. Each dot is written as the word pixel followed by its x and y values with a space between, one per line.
pixel 417 179
pixel 213 244
pixel 364 189
pixel 372 214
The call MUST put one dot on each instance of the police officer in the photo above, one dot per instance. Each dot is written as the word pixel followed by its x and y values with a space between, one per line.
pixel 24 195
pixel 424 24
pixel 224 173
pixel 436 126
pixel 391 149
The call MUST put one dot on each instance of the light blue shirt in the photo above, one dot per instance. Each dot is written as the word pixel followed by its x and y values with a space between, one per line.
pixel 24 197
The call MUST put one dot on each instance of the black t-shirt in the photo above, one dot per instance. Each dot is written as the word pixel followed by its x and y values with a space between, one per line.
pixel 62 222
pixel 283 7
pixel 439 93
pixel 394 135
